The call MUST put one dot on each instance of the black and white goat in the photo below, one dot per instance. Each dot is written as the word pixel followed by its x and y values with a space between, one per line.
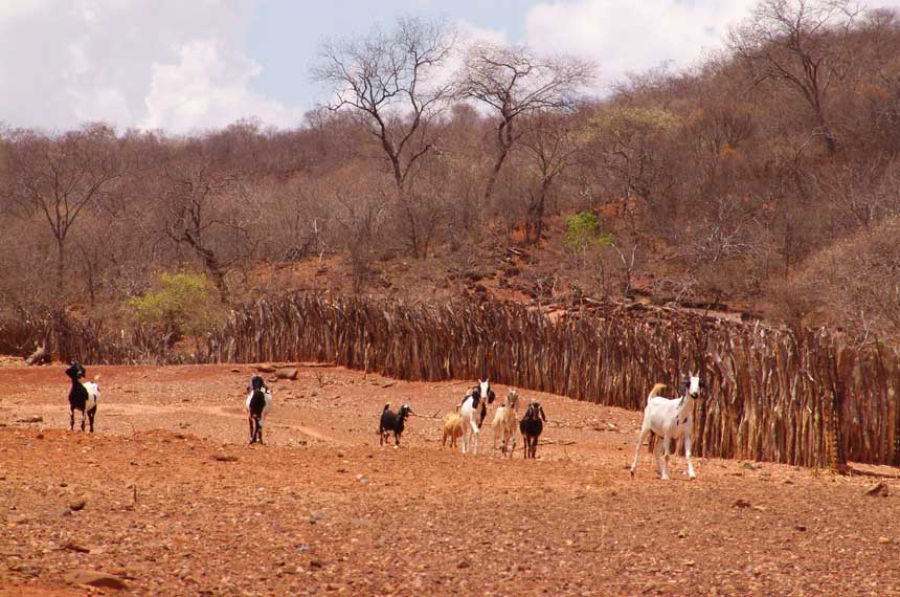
pixel 473 411
pixel 259 403
pixel 392 422
pixel 83 396
pixel 531 427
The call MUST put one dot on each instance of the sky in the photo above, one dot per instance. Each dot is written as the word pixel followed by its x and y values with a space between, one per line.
pixel 191 65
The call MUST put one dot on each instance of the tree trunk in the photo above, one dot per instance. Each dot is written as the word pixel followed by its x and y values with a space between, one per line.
pixel 536 214
pixel 61 270
pixel 495 173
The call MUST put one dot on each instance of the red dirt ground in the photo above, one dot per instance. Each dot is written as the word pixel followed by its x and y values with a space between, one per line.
pixel 322 509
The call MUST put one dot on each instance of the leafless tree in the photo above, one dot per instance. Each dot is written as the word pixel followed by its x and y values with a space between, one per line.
pixel 394 83
pixel 514 83
pixel 792 42
pixel 59 177
pixel 202 212
pixel 554 143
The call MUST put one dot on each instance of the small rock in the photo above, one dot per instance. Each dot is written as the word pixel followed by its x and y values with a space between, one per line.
pixel 77 505
pixel 315 517
pixel 741 503
pixel 287 373
pixel 690 563
pixel 682 534
pixel 463 564
pixel 800 527
pixel 224 458
pixel 301 548
pixel 95 579
pixel 884 540
pixel 265 368
pixel 34 419
pixel 878 489
pixel 235 370
pixel 315 564
pixel 388 384
pixel 362 479
pixel 72 546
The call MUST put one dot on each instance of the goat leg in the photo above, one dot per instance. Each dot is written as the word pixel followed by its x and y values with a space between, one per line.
pixel 71 419
pixel 687 456
pixel 665 470
pixel 637 450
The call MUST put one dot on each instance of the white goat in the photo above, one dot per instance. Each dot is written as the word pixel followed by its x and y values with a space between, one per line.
pixel 473 410
pixel 670 419
pixel 505 422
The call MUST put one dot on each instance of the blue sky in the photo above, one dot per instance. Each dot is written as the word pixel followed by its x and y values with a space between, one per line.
pixel 284 35
pixel 193 65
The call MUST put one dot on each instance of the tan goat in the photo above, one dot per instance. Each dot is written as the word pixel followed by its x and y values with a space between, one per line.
pixel 505 423
pixel 453 428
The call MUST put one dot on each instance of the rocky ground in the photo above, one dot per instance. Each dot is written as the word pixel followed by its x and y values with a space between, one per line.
pixel 167 499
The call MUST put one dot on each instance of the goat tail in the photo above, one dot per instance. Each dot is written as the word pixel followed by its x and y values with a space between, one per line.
pixel 657 388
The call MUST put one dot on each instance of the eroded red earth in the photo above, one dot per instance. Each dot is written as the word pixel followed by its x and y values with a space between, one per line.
pixel 176 503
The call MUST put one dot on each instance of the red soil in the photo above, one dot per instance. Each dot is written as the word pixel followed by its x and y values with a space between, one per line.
pixel 324 509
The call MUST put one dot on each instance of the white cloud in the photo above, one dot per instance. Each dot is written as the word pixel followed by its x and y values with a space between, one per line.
pixel 208 89
pixel 156 63
pixel 624 36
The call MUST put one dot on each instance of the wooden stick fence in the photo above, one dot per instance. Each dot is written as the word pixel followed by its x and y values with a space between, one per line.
pixel 797 398
pixel 801 398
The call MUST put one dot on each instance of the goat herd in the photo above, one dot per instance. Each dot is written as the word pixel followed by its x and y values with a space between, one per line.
pixel 666 419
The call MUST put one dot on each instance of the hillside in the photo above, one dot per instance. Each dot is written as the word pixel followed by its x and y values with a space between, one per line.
pixel 732 182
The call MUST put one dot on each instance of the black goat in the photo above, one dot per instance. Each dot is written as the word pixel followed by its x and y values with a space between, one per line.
pixel 531 428
pixel 391 421
pixel 82 396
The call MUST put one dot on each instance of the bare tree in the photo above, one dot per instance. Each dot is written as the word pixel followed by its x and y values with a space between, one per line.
pixel 513 82
pixel 792 42
pixel 201 211
pixel 393 82
pixel 554 144
pixel 58 177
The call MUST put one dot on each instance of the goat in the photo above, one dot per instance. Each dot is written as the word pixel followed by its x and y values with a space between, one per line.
pixel 473 411
pixel 393 422
pixel 452 428
pixel 505 423
pixel 670 419
pixel 531 427
pixel 259 403
pixel 82 396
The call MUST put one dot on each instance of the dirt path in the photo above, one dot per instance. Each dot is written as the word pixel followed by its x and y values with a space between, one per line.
pixel 177 504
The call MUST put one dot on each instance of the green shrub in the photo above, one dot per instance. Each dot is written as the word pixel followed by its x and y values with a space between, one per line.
pixel 184 304
pixel 583 230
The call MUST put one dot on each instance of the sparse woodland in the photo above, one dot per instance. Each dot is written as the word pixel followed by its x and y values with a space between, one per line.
pixel 765 178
